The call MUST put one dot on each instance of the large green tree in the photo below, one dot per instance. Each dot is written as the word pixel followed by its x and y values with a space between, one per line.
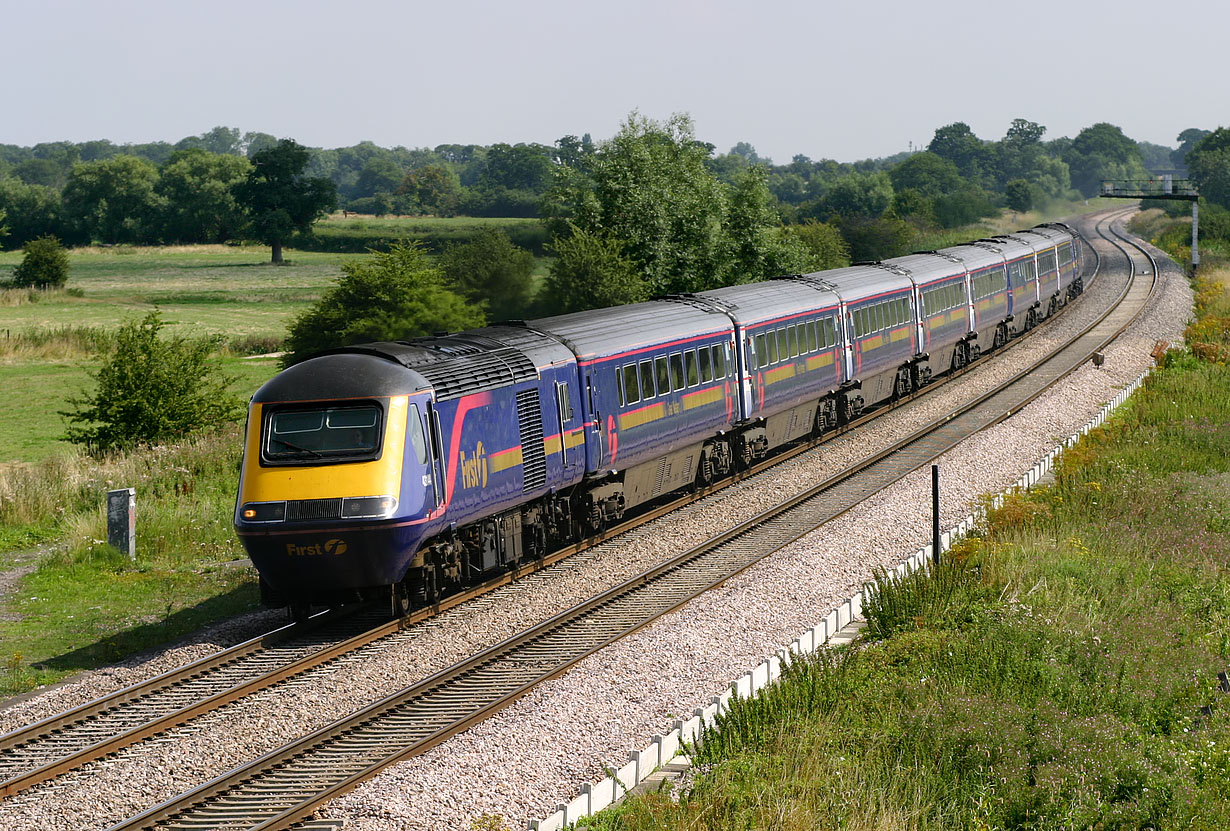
pixel 279 198
pixel 198 188
pixel 1103 153
pixel 1208 164
pixel 649 196
pixel 391 295
pixel 490 270
pixel 114 200
pixel 590 271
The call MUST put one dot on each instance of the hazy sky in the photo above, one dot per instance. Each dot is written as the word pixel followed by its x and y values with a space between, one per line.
pixel 844 80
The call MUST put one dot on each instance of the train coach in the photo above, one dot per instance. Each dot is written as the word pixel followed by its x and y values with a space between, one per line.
pixel 408 469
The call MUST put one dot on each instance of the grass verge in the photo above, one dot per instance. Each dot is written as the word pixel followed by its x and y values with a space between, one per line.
pixel 1060 671
pixel 84 605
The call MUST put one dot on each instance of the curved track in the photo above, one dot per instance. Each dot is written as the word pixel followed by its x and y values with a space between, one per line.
pixel 287 785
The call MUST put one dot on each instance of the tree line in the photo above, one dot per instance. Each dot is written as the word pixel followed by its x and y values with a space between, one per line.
pixel 101 192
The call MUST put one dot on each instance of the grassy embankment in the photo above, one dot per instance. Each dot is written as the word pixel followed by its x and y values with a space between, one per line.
pixel 84 607
pixel 1060 671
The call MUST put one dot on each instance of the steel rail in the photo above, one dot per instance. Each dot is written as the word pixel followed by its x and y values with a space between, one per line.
pixel 337 758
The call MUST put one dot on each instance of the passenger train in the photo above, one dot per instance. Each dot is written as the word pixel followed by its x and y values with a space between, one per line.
pixel 410 468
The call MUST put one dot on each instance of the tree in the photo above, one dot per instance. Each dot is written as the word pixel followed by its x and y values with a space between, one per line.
pixel 927 173
pixel 648 197
pixel 1208 164
pixel 198 189
pixel 1020 195
pixel 152 389
pixel 957 143
pixel 44 265
pixel 857 194
pixel 1187 139
pixel 221 140
pixel 490 269
pixel 379 175
pixel 391 295
pixel 825 246
pixel 33 210
pixel 432 189
pixel 758 245
pixel 114 200
pixel 1101 153
pixel 279 199
pixel 590 271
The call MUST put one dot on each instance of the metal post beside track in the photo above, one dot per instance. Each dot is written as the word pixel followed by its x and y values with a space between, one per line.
pixel 935 514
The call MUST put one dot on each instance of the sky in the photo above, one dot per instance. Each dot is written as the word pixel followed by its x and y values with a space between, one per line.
pixel 840 80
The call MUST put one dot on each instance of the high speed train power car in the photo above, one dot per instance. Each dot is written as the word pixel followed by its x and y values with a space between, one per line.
pixel 410 468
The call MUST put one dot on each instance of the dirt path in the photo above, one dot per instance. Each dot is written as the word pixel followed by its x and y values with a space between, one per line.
pixel 16 566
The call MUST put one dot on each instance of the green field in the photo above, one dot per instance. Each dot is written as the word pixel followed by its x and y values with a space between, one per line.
pixel 201 289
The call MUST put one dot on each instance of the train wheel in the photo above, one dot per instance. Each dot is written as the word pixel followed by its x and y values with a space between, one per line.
pixel 300 612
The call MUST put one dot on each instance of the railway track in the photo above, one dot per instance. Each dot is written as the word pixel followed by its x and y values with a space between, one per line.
pixel 287 785
pixel 46 749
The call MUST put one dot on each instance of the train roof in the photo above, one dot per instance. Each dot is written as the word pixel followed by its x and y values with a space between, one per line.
pixel 339 375
pixel 860 282
pixel 928 266
pixel 452 365
pixel 1056 232
pixel 600 333
pixel 753 303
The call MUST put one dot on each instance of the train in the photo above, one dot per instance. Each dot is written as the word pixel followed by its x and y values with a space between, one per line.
pixel 409 469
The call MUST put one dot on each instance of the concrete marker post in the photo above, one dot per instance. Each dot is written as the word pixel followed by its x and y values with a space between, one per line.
pixel 122 521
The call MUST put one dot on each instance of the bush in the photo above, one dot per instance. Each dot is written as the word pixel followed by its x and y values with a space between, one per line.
pixel 590 272
pixel 152 389
pixel 489 268
pixel 44 265
pixel 395 295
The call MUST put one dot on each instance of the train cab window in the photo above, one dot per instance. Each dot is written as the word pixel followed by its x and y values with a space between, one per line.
pixel 414 430
pixel 719 362
pixel 646 380
pixel 792 336
pixel 333 434
pixel 677 371
pixel 663 374
pixel 631 388
pixel 706 364
pixel 689 364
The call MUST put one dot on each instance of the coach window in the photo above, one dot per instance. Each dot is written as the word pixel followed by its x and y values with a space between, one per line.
pixel 792 337
pixel 632 390
pixel 646 380
pixel 689 364
pixel 706 364
pixel 663 374
pixel 762 351
pixel 783 349
pixel 677 371
pixel 719 362
pixel 771 337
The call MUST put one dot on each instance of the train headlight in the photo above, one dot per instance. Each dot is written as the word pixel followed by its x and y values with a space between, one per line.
pixel 264 511
pixel 366 507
